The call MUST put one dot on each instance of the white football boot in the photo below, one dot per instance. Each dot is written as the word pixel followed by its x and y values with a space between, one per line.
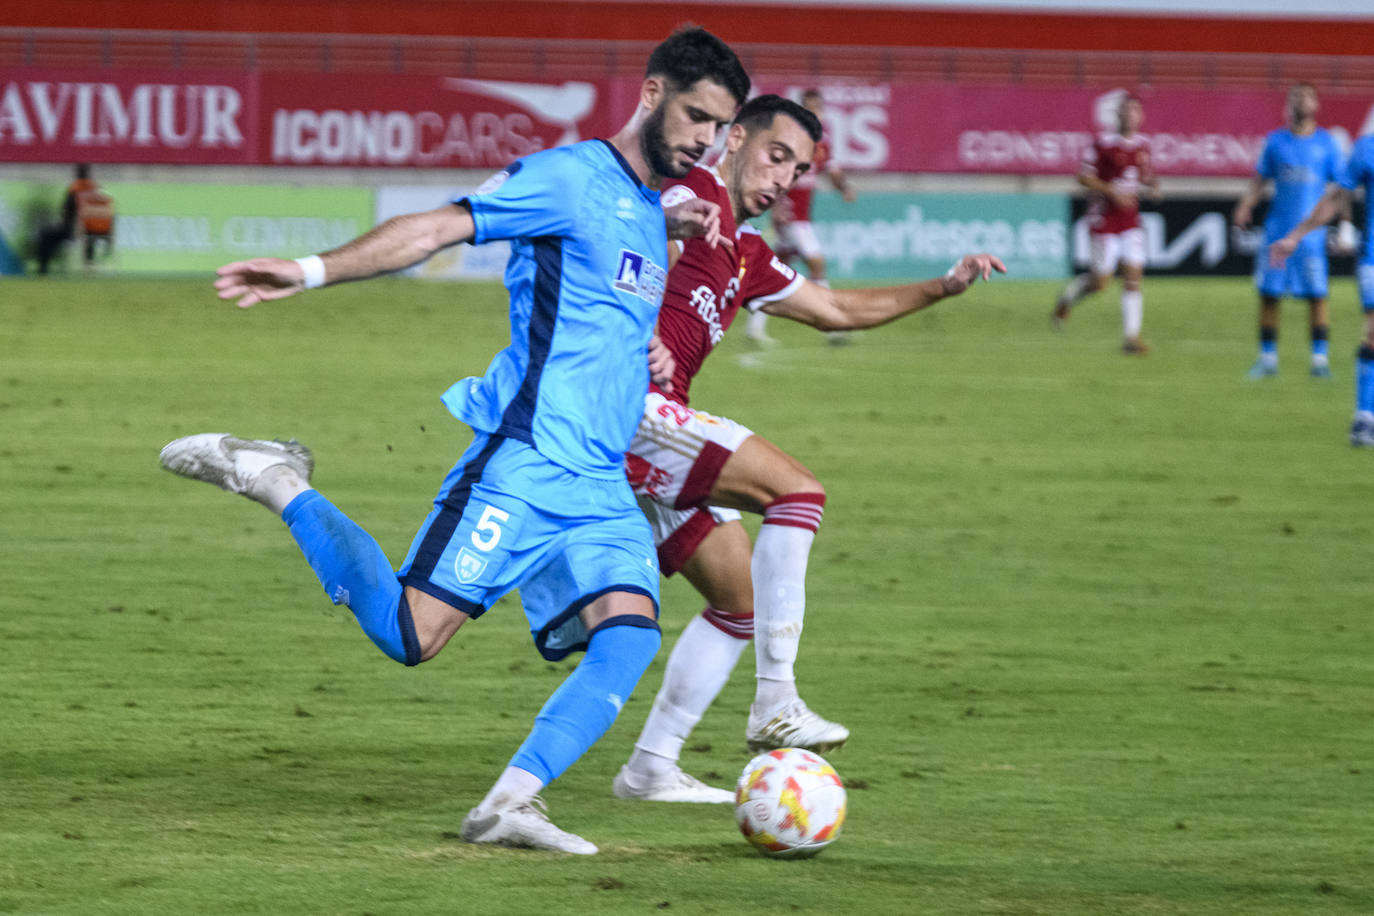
pixel 523 826
pixel 793 726
pixel 673 786
pixel 232 463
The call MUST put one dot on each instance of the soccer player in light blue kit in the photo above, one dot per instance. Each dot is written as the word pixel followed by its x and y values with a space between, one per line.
pixel 540 500
pixel 1301 159
pixel 1358 173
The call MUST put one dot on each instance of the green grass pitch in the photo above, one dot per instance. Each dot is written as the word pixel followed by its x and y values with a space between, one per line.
pixel 1100 626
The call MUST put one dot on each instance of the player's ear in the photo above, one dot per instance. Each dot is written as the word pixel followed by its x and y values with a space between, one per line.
pixel 735 138
pixel 652 92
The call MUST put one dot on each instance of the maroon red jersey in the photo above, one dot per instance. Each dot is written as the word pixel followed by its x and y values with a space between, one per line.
pixel 707 287
pixel 1125 165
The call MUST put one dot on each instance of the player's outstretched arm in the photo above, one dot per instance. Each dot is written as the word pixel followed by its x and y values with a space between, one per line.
pixel 1335 201
pixel 854 309
pixel 394 245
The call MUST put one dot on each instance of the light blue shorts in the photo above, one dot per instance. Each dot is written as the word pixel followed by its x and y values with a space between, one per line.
pixel 1302 276
pixel 506 518
pixel 1364 277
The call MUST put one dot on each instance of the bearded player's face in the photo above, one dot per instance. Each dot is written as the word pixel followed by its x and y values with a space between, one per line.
pixel 682 128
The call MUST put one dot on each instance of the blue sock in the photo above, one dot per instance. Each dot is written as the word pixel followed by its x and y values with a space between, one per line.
pixel 1364 380
pixel 584 706
pixel 354 571
pixel 1270 347
pixel 1320 335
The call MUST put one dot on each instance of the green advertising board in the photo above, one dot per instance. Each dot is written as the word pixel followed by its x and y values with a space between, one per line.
pixel 168 228
pixel 884 236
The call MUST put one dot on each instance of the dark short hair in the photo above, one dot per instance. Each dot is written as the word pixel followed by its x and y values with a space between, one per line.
pixel 691 54
pixel 811 94
pixel 758 114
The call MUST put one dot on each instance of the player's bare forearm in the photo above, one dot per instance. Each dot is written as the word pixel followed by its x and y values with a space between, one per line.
pixel 1240 216
pixel 398 243
pixel 1332 203
pixel 856 309
pixel 394 245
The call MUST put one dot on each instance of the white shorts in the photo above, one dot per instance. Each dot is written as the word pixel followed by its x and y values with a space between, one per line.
pixel 1109 250
pixel 673 462
pixel 799 236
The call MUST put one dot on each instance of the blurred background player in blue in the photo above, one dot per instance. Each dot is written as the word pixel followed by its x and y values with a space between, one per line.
pixel 1301 159
pixel 540 500
pixel 1358 173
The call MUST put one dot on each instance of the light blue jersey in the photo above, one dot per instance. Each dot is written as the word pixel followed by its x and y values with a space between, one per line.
pixel 1359 172
pixel 585 277
pixel 1301 168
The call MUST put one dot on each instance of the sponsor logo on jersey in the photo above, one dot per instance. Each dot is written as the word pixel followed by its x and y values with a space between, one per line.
pixel 639 276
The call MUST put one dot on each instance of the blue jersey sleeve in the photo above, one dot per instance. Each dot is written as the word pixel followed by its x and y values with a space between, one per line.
pixel 1360 167
pixel 534 197
pixel 1265 167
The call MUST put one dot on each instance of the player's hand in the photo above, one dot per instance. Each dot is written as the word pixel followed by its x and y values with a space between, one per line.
pixel 1279 251
pixel 695 218
pixel 967 271
pixel 259 280
pixel 661 364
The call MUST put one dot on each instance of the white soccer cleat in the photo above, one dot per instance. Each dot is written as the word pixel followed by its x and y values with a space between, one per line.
pixel 232 463
pixel 523 826
pixel 794 726
pixel 675 786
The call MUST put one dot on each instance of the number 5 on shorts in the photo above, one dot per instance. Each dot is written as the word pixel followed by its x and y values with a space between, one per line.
pixel 487 531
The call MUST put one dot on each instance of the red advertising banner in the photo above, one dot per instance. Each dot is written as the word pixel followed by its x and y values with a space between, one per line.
pixel 98 115
pixel 413 121
pixel 1017 129
pixel 422 121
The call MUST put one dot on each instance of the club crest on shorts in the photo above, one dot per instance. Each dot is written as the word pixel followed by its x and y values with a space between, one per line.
pixel 467 566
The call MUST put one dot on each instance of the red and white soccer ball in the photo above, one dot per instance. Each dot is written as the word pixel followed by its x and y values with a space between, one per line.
pixel 789 803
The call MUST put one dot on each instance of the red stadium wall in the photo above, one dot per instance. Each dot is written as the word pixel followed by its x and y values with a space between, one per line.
pixel 740 22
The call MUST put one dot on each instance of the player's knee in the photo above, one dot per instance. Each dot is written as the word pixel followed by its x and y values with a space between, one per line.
pixel 425 629
pixel 805 482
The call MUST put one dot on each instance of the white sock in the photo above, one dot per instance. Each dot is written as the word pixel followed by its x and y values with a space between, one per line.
pixel 1132 311
pixel 699 666
pixel 514 787
pixel 781 551
pixel 757 326
pixel 277 486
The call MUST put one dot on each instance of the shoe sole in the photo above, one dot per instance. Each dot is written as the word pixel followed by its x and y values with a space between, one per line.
pixel 820 747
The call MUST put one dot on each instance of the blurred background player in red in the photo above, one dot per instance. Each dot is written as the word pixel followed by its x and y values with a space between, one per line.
pixel 796 237
pixel 1115 167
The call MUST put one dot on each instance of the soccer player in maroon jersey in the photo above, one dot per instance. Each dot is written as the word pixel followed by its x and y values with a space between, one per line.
pixel 796 237
pixel 1114 169
pixel 695 472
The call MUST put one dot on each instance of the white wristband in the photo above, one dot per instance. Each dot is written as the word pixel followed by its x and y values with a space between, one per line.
pixel 313 268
